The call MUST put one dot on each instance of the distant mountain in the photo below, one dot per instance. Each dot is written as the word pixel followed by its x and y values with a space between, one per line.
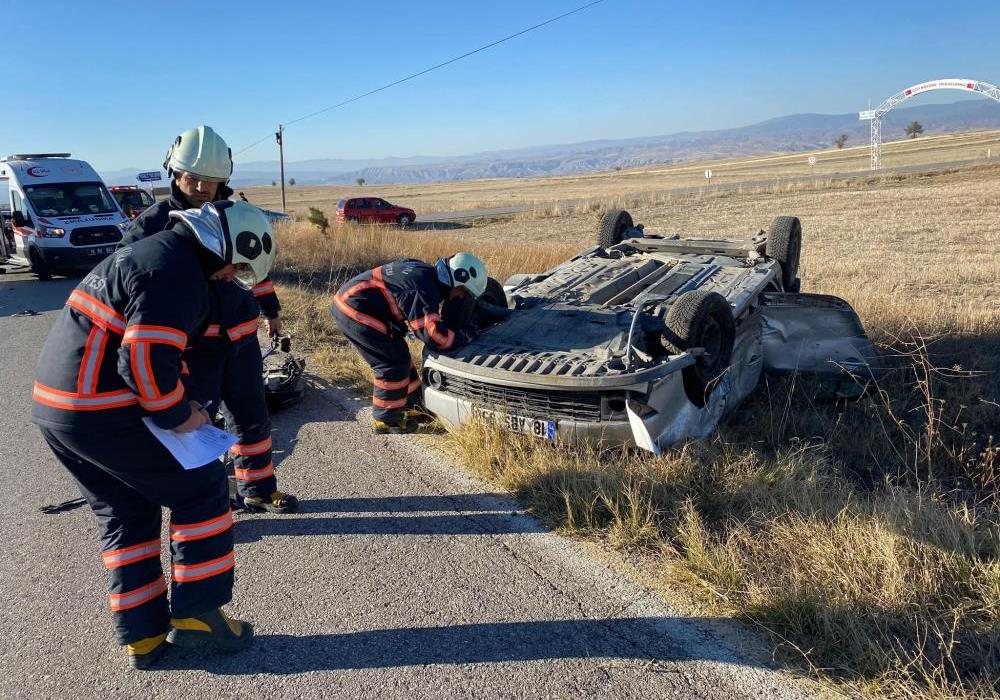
pixel 797 132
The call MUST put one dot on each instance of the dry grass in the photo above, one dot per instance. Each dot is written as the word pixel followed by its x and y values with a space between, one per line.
pixel 863 537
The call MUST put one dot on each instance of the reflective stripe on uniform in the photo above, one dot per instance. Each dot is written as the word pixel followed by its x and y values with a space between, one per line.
pixel 199 531
pixel 97 311
pixel 90 363
pixel 263 289
pixel 135 598
pixel 256 448
pixel 142 371
pixel 359 317
pixel 164 402
pixel 382 403
pixel 155 334
pixel 114 558
pixel 430 321
pixel 242 330
pixel 213 331
pixel 414 386
pixel 255 474
pixel 70 401
pixel 389 298
pixel 389 385
pixel 188 573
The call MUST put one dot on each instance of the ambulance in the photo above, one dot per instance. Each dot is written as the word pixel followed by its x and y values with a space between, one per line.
pixel 62 217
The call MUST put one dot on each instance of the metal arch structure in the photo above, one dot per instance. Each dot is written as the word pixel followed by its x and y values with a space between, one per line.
pixel 875 115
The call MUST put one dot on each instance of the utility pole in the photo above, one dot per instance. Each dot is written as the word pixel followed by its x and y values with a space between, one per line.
pixel 281 155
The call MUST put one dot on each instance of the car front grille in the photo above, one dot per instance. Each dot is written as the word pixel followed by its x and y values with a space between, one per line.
pixel 95 235
pixel 531 403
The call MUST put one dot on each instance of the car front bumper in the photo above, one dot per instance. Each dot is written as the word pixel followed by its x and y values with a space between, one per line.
pixel 74 257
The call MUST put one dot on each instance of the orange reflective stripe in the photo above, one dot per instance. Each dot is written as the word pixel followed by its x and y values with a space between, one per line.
pixel 70 401
pixel 213 331
pixel 187 573
pixel 357 316
pixel 155 334
pixel 90 363
pixel 199 531
pixel 97 311
pixel 255 474
pixel 115 558
pixel 142 371
pixel 414 386
pixel 263 289
pixel 391 386
pixel 257 448
pixel 389 298
pixel 164 402
pixel 382 403
pixel 242 330
pixel 419 323
pixel 135 598
pixel 443 341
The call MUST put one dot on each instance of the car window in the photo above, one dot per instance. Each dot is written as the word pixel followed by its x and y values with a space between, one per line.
pixel 362 204
pixel 382 204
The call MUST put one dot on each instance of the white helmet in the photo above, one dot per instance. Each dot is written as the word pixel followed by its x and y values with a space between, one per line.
pixel 463 270
pixel 201 152
pixel 238 233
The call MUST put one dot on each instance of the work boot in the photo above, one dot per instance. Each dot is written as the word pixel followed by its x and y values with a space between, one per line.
pixel 277 502
pixel 144 653
pixel 418 415
pixel 394 426
pixel 213 630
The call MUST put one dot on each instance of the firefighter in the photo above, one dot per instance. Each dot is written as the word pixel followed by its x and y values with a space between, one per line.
pixel 375 310
pixel 113 357
pixel 228 356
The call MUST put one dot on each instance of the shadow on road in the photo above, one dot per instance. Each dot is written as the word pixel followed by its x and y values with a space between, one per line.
pixel 646 639
pixel 248 531
pixel 437 226
pixel 472 502
pixel 23 292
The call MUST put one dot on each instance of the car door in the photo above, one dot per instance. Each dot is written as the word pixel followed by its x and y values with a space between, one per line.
pixel 364 210
pixel 383 211
pixel 817 337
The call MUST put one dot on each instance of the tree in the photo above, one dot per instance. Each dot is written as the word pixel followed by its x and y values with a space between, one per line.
pixel 914 130
pixel 840 141
pixel 291 181
pixel 274 183
pixel 360 181
pixel 318 218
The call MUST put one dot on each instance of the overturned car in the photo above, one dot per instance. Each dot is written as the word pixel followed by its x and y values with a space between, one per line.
pixel 648 339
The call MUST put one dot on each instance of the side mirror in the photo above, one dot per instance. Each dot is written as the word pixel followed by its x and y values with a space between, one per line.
pixel 18 219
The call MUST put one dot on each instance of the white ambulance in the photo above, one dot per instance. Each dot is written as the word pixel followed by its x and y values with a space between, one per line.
pixel 62 217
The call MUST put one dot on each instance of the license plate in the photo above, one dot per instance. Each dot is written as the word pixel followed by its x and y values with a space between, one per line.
pixel 537 427
pixel 104 250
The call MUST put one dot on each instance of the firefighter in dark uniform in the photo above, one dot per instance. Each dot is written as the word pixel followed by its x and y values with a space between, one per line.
pixel 113 357
pixel 377 308
pixel 228 356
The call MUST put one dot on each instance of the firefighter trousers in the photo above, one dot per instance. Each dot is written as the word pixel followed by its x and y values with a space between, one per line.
pixel 127 477
pixel 232 373
pixel 397 384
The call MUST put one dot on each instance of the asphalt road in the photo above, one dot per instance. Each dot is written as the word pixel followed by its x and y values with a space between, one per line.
pixel 401 578
pixel 451 216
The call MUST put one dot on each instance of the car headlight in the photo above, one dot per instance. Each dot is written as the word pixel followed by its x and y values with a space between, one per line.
pixel 50 232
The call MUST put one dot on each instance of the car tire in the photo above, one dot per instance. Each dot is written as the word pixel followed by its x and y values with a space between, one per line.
pixel 613 226
pixel 784 244
pixel 701 319
pixel 353 220
pixel 39 266
pixel 404 220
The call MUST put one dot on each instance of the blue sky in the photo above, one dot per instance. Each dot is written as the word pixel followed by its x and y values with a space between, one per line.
pixel 115 81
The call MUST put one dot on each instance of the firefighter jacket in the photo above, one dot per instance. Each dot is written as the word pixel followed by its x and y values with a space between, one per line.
pixel 401 295
pixel 238 308
pixel 114 353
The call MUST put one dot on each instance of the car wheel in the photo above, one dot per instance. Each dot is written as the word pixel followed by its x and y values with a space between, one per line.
pixel 784 244
pixel 701 319
pixel 39 266
pixel 613 226
pixel 353 220
pixel 404 220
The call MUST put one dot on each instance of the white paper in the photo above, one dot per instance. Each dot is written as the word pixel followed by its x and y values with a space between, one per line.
pixel 197 448
pixel 640 434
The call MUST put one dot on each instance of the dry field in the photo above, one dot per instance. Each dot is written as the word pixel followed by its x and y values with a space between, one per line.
pixel 452 196
pixel 863 537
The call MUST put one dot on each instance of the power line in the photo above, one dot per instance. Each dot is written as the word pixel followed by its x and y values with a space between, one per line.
pixel 426 71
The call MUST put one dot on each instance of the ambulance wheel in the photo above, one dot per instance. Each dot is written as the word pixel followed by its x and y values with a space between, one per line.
pixel 40 267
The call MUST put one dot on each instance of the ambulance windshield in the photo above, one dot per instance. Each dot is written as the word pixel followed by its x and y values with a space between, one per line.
pixel 70 199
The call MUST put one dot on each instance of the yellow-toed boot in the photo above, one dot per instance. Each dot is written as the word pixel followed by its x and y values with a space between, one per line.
pixel 213 629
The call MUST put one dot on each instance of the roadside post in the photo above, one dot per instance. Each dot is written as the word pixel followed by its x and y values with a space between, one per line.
pixel 279 134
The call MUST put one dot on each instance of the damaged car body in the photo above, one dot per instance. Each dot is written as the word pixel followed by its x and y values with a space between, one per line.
pixel 647 340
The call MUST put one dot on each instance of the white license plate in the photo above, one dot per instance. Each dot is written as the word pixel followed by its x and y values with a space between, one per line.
pixel 537 427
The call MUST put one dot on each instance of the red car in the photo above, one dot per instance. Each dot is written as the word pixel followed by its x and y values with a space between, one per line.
pixel 132 199
pixel 373 210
